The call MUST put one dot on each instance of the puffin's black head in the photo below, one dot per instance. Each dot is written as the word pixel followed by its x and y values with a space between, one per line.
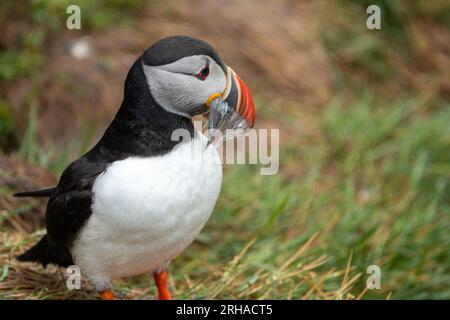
pixel 183 74
pixel 171 49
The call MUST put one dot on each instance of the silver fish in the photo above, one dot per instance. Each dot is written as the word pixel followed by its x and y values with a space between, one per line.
pixel 224 123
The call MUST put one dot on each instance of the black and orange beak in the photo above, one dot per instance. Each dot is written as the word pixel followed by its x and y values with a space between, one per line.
pixel 238 96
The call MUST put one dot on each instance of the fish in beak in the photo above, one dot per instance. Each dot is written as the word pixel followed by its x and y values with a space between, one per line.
pixel 232 109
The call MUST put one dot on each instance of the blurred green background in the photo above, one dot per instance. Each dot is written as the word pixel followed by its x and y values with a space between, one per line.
pixel 364 141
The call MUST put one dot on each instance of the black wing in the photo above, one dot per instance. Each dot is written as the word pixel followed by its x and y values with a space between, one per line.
pixel 70 206
pixel 68 209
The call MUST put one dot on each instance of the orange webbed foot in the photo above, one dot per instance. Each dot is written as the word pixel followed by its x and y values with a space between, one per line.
pixel 161 284
pixel 107 295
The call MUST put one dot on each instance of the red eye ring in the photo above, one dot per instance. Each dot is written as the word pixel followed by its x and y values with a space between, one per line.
pixel 203 74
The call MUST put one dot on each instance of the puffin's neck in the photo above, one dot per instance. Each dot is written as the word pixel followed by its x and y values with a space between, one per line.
pixel 141 127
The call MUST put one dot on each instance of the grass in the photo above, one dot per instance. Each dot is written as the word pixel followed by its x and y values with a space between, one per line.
pixel 31 151
pixel 376 188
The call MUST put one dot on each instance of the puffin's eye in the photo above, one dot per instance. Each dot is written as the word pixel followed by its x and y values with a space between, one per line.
pixel 203 74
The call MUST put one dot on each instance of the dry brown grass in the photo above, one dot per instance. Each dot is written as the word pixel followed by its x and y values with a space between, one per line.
pixel 25 214
pixel 31 281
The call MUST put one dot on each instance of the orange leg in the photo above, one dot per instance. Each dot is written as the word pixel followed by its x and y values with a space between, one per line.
pixel 107 295
pixel 161 284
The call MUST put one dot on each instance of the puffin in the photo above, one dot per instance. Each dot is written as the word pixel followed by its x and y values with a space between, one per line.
pixel 140 197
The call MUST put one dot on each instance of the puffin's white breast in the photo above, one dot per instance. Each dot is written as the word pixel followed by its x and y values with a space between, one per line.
pixel 148 210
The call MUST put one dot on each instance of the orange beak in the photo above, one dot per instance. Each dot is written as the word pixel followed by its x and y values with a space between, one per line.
pixel 238 96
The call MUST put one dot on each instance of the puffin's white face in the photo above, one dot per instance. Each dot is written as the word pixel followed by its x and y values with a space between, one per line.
pixel 184 86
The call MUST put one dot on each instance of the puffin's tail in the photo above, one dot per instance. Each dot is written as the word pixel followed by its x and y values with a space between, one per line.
pixel 46 252
pixel 47 192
